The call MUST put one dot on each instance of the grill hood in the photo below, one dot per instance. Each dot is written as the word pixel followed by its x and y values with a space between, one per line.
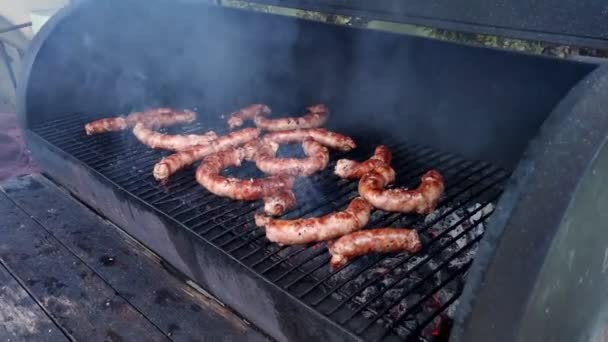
pixel 582 23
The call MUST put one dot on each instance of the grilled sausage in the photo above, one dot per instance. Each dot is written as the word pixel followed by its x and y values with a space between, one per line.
pixel 324 137
pixel 350 169
pixel 279 202
pixel 379 240
pixel 327 227
pixel 161 117
pixel 266 160
pixel 173 142
pixel 315 117
pixel 177 161
pixel 422 200
pixel 157 117
pixel 238 118
pixel 274 190
pixel 106 125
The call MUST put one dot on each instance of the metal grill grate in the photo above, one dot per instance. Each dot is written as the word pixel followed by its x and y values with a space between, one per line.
pixel 377 296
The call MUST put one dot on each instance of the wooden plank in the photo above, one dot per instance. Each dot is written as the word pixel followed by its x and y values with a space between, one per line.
pixel 77 299
pixel 21 319
pixel 131 269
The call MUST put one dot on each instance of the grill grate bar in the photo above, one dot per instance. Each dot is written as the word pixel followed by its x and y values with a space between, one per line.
pixel 187 176
pixel 336 194
pixel 274 253
pixel 388 222
pixel 323 262
pixel 246 242
pixel 288 258
pixel 304 261
pixel 409 271
pixel 418 284
pixel 371 281
pixel 430 224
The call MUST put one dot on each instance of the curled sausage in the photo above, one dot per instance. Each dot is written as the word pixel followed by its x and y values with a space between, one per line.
pixel 327 227
pixel 380 240
pixel 274 190
pixel 317 159
pixel 182 159
pixel 315 116
pixel 327 138
pixel 422 200
pixel 238 118
pixel 350 169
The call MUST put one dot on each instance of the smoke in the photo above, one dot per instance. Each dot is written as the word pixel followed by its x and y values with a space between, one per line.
pixel 115 56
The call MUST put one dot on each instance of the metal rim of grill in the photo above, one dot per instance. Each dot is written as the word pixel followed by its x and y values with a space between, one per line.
pixel 342 295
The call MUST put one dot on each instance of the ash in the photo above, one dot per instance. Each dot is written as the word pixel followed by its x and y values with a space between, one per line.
pixel 417 289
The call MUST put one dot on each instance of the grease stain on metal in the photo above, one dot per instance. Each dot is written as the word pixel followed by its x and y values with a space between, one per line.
pixel 605 263
pixel 107 260
pixel 571 255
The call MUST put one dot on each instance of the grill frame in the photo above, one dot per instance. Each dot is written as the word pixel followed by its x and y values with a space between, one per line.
pixel 133 201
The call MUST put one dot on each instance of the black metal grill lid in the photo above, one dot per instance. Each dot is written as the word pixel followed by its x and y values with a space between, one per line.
pixel 583 23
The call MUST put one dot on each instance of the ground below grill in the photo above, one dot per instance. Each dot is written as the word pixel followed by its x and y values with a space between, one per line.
pixel 377 296
pixel 66 274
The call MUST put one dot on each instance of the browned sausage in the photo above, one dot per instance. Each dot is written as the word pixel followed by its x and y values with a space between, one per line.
pixel 177 161
pixel 238 118
pixel 274 190
pixel 106 125
pixel 327 227
pixel 173 142
pixel 317 159
pixel 350 169
pixel 279 202
pixel 157 117
pixel 324 137
pixel 422 200
pixel 380 240
pixel 161 117
pixel 315 117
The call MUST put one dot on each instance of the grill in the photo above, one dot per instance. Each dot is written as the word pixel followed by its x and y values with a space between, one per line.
pixel 516 251
pixel 374 297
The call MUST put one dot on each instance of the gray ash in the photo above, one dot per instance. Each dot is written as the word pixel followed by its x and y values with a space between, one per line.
pixel 416 288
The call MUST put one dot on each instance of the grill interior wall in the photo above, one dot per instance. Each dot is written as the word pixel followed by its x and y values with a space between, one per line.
pixel 483 103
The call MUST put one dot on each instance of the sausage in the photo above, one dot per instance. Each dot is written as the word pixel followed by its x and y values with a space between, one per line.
pixel 161 117
pixel 350 169
pixel 279 202
pixel 238 118
pixel 173 142
pixel 315 116
pixel 317 159
pixel 379 240
pixel 422 200
pixel 136 117
pixel 106 125
pixel 324 137
pixel 157 117
pixel 274 190
pixel 327 227
pixel 182 159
